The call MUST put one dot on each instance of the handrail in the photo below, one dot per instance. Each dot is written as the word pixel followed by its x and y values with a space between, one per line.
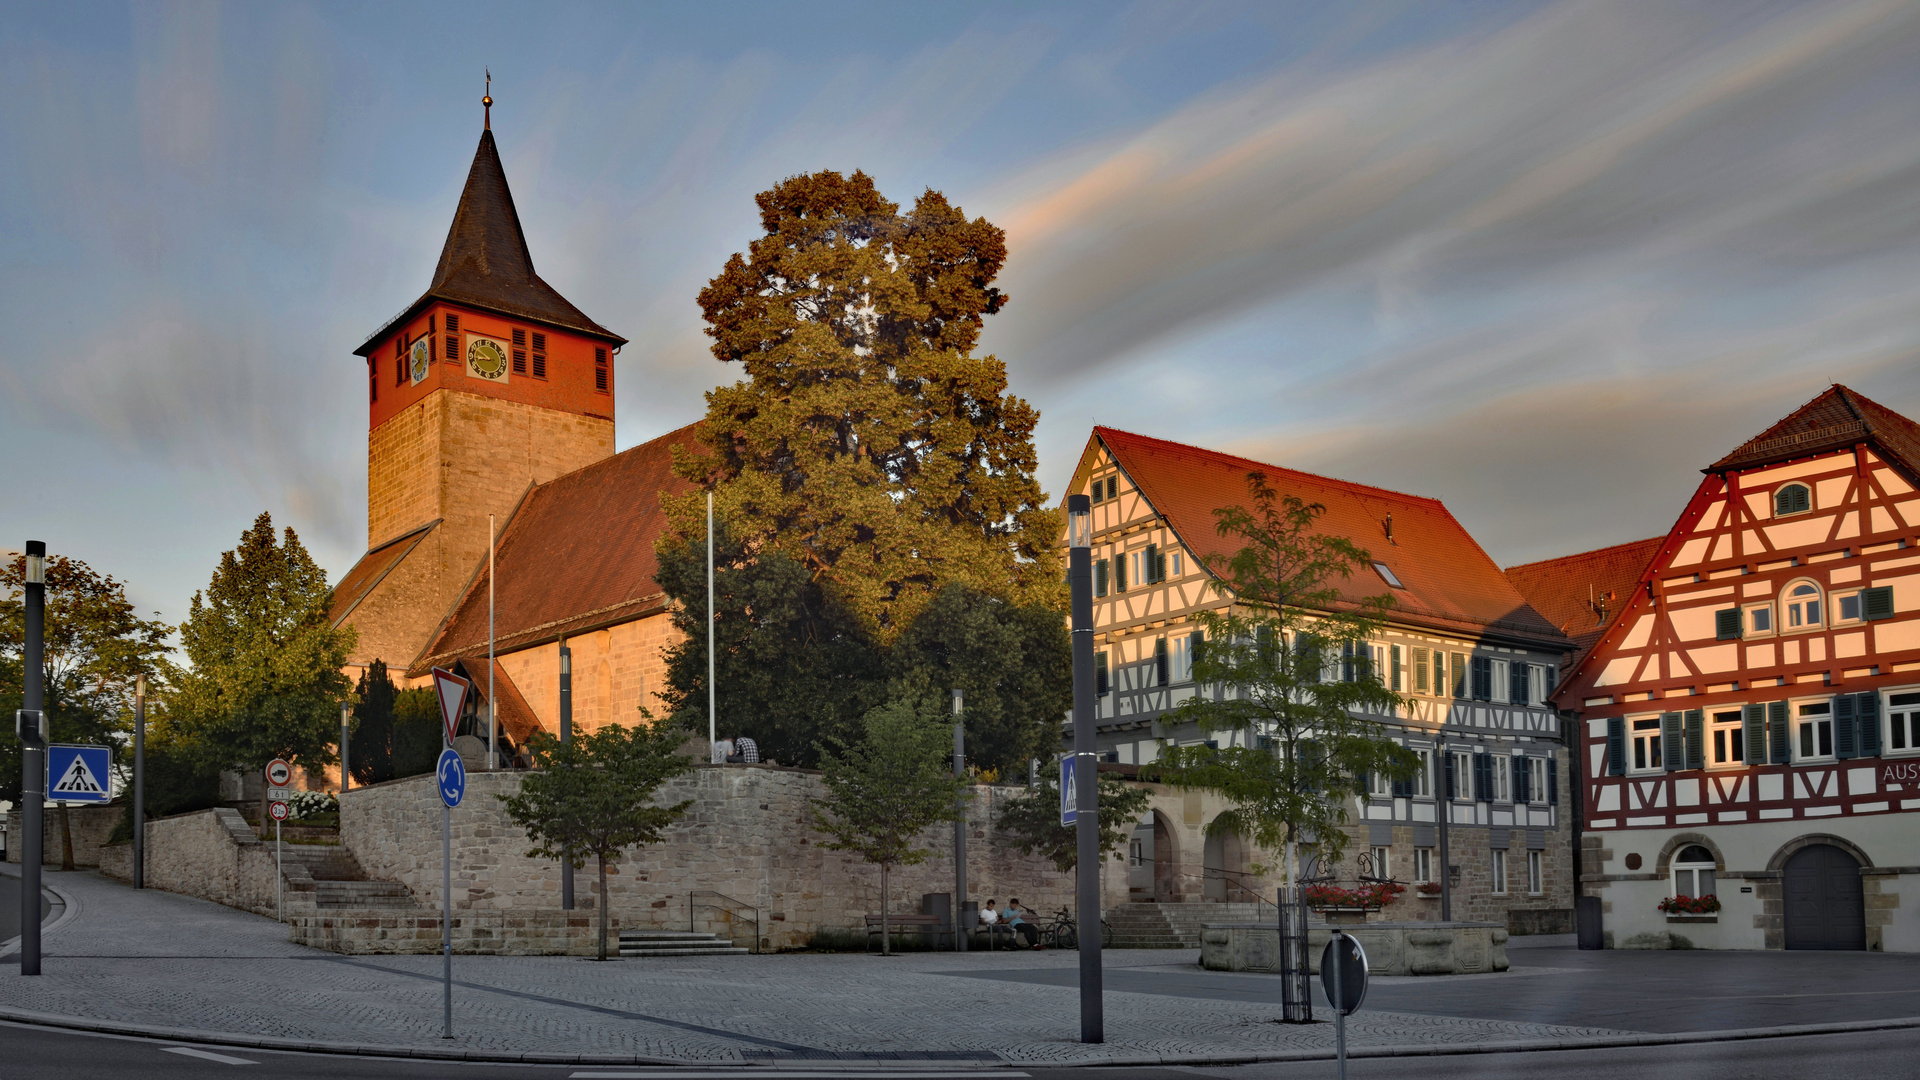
pixel 1234 880
pixel 730 905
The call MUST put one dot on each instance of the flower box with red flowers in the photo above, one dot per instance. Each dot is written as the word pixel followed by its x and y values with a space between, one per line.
pixel 1690 905
pixel 1368 897
pixel 1427 889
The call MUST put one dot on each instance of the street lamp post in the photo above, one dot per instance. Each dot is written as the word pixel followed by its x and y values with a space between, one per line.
pixel 959 825
pixel 1445 805
pixel 1086 781
pixel 140 781
pixel 33 770
pixel 566 736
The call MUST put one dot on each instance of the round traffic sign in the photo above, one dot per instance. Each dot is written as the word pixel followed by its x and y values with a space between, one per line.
pixel 1352 968
pixel 452 776
pixel 277 810
pixel 279 773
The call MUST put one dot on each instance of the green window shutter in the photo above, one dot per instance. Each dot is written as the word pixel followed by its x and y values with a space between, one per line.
pixel 1100 677
pixel 1844 744
pixel 1196 648
pixel 1726 624
pixel 1866 711
pixel 1446 768
pixel 1395 684
pixel 1100 577
pixel 1459 666
pixel 1672 741
pixel 1696 739
pixel 1616 746
pixel 1756 735
pixel 1877 602
pixel 1147 576
pixel 1120 573
pixel 1780 752
pixel 1522 781
pixel 1553 781
pixel 1160 662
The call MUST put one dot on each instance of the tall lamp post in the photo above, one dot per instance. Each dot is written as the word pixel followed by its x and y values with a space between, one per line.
pixel 959 824
pixel 1445 816
pixel 566 736
pixel 31 726
pixel 140 780
pixel 1085 770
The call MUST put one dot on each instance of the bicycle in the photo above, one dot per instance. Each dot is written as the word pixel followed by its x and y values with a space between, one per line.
pixel 1064 933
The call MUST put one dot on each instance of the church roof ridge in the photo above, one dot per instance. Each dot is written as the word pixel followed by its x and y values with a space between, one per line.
pixel 486 263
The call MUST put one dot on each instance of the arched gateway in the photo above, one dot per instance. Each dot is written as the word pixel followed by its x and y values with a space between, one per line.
pixel 1825 908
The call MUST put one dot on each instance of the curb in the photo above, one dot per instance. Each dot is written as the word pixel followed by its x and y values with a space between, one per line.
pixel 535 1057
pixel 68 907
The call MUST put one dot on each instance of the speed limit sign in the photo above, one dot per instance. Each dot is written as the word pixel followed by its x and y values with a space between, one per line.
pixel 279 773
pixel 277 811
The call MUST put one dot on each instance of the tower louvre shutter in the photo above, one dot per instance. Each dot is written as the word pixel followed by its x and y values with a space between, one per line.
pixel 1845 745
pixel 519 361
pixel 1726 624
pixel 400 360
pixel 1877 602
pixel 453 347
pixel 1779 752
pixel 1616 746
pixel 1867 714
pixel 453 323
pixel 1756 734
pixel 1673 739
pixel 1696 739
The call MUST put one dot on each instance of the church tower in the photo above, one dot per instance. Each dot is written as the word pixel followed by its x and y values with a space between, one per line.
pixel 487 384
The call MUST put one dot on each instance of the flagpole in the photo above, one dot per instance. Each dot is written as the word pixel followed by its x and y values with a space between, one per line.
pixel 493 725
pixel 713 734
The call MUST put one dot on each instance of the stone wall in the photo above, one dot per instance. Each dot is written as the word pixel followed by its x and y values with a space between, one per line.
pixel 91 826
pixel 747 836
pixel 378 932
pixel 211 854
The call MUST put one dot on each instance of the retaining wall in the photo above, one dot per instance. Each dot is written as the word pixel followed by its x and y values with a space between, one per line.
pixel 91 825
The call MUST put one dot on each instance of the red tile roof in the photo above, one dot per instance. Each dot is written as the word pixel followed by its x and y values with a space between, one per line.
pixel 1451 585
pixel 1837 417
pixel 368 572
pixel 577 555
pixel 517 718
pixel 1583 594
pixel 486 263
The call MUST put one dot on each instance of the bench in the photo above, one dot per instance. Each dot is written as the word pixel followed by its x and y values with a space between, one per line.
pixel 914 923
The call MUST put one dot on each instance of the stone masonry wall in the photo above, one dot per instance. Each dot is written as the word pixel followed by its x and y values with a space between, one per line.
pixel 91 825
pixel 211 854
pixel 747 836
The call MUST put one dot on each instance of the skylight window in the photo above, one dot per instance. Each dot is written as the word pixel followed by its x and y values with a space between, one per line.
pixel 1387 575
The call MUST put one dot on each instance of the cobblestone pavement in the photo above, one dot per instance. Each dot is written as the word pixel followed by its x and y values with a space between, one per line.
pixel 156 959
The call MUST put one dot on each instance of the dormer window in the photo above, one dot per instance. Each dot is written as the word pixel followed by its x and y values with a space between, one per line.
pixel 1792 499
pixel 1800 606
pixel 1387 575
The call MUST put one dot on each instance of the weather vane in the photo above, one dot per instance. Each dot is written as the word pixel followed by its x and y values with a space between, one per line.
pixel 487 101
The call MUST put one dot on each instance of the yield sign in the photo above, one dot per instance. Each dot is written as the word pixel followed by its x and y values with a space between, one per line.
pixel 451 691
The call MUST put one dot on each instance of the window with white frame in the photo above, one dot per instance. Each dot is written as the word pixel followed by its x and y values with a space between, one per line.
pixel 1536 881
pixel 1693 872
pixel 1646 744
pixel 1903 722
pixel 1537 685
pixel 1502 778
pixel 1729 738
pixel 1379 785
pixel 1463 775
pixel 1422 864
pixel 1502 684
pixel 1382 861
pixel 1423 776
pixel 1537 779
pixel 1816 729
pixel 1846 607
pixel 1800 606
pixel 1499 871
pixel 1176 565
pixel 1760 620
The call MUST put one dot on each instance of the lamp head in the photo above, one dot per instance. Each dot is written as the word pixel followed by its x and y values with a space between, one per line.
pixel 1079 521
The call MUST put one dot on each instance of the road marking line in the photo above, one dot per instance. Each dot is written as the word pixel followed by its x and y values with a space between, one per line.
pixel 208 1055
pixel 748 1072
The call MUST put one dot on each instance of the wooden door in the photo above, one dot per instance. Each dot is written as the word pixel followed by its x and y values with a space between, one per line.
pixel 1824 905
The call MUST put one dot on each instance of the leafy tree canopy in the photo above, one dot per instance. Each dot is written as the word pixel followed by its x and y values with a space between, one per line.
pixel 594 796
pixel 96 645
pixel 396 733
pixel 265 680
pixel 867 443
pixel 1289 648
pixel 1031 820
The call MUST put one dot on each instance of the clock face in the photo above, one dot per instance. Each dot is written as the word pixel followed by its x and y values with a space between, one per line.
pixel 486 359
pixel 420 360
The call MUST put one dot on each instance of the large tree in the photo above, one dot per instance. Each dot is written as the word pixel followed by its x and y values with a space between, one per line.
pixel 867 442
pixel 1031 820
pixel 96 646
pixel 886 790
pixel 594 796
pixel 1301 719
pixel 265 680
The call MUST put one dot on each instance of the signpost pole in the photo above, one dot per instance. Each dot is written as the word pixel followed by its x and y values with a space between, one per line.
pixel 33 777
pixel 1086 772
pixel 493 722
pixel 450 781
pixel 959 826
pixel 279 875
pixel 1339 1005
pixel 713 733
pixel 140 782
pixel 446 921
pixel 346 779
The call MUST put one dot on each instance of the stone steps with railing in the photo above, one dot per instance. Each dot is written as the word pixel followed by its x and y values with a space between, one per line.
pixel 675 943
pixel 1177 926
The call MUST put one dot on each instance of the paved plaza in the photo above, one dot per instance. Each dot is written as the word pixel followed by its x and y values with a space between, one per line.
pixel 120 959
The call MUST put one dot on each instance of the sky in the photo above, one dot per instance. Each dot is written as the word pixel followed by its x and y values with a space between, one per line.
pixel 1542 261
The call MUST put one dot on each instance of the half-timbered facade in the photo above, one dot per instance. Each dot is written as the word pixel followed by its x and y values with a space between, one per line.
pixel 1475 663
pixel 1750 721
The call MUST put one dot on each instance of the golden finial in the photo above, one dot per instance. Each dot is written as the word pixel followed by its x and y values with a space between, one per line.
pixel 487 101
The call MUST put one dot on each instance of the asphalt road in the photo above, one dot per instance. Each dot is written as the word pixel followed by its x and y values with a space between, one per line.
pixel 1612 989
pixel 42 1054
pixel 10 907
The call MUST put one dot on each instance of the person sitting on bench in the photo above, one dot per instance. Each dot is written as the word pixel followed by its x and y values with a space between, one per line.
pixel 1013 917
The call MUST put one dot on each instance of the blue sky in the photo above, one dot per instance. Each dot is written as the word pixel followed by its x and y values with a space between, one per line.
pixel 1542 261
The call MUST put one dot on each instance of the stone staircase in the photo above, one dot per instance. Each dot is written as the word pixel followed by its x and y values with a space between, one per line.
pixel 333 877
pixel 675 943
pixel 1176 926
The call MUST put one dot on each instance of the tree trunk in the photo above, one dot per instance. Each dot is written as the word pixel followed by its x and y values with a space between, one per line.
pixel 603 907
pixel 66 838
pixel 886 936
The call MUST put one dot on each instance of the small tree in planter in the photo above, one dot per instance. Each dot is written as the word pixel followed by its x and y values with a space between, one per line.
pixel 594 796
pixel 886 790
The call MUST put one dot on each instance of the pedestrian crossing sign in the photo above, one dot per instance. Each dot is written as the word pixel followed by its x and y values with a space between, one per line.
pixel 79 774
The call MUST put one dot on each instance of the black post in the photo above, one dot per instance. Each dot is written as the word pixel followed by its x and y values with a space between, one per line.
pixel 1444 806
pixel 959 826
pixel 1085 767
pixel 140 781
pixel 566 735
pixel 33 794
